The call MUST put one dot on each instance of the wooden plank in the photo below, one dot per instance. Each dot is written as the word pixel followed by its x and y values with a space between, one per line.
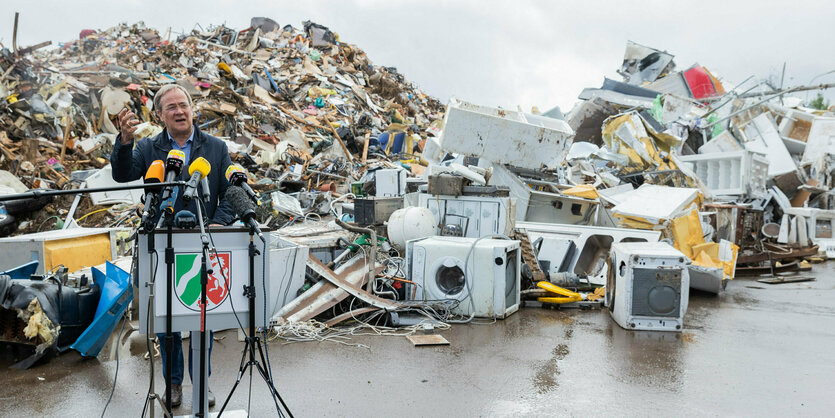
pixel 338 279
pixel 786 279
pixel 348 155
pixel 365 148
pixel 427 340
pixel 324 294
pixel 66 136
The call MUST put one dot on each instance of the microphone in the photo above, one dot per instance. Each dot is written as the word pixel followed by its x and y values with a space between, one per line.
pixel 153 176
pixel 198 170
pixel 174 164
pixel 168 202
pixel 185 219
pixel 237 198
pixel 236 175
pixel 205 193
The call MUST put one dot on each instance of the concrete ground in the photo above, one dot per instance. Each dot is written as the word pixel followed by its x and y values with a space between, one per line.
pixel 754 350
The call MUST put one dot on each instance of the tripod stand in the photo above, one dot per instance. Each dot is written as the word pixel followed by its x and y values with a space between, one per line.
pixel 249 360
pixel 168 339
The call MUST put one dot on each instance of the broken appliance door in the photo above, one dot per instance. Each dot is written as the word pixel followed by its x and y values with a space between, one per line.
pixel 761 135
pixel 591 245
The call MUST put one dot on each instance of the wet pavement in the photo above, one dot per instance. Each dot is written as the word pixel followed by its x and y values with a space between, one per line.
pixel 754 350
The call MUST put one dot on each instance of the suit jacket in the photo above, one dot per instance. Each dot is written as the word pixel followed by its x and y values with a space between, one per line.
pixel 131 162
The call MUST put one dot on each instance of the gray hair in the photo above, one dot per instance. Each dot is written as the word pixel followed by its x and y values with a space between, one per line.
pixel 165 89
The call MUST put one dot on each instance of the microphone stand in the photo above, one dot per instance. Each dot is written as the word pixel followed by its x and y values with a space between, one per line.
pixel 253 342
pixel 168 221
pixel 204 279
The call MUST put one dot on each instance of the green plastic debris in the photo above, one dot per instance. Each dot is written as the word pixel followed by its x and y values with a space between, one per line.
pixel 365 239
pixel 717 129
pixel 657 111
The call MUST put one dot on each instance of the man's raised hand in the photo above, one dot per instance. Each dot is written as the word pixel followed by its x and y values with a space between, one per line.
pixel 127 125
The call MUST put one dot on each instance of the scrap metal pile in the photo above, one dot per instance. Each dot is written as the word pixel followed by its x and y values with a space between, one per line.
pixel 404 213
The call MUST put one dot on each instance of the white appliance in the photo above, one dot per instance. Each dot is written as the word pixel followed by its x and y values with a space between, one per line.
pixel 476 215
pixel 731 173
pixel 486 284
pixel 390 182
pixel 648 286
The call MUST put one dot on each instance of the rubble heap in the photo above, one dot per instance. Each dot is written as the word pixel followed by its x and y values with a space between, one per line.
pixel 280 97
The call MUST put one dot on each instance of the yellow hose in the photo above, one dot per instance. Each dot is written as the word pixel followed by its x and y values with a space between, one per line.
pixel 95 211
pixel 569 296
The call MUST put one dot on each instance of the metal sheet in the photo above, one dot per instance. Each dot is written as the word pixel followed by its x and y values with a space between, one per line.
pixel 654 203
pixel 761 136
pixel 821 139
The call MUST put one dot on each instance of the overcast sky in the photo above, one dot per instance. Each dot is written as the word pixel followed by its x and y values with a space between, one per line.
pixel 525 53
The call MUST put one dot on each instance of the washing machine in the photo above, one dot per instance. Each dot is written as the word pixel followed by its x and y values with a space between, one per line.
pixel 486 284
pixel 648 286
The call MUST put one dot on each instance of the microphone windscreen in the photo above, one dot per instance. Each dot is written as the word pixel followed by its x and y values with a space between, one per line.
pixel 235 170
pixel 237 198
pixel 156 172
pixel 202 165
pixel 175 156
pixel 185 219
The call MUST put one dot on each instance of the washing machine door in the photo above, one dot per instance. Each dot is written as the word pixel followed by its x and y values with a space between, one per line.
pixel 446 279
pixel 611 284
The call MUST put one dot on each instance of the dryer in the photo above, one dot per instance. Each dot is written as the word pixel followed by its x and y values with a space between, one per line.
pixel 648 286
pixel 486 284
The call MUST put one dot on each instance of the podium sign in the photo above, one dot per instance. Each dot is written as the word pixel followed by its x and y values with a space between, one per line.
pixel 224 291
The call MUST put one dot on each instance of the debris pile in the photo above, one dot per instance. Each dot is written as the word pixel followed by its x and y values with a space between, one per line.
pixel 406 213
pixel 298 108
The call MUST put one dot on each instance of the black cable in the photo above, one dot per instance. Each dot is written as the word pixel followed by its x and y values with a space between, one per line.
pixel 116 375
pixel 226 279
pixel 155 257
